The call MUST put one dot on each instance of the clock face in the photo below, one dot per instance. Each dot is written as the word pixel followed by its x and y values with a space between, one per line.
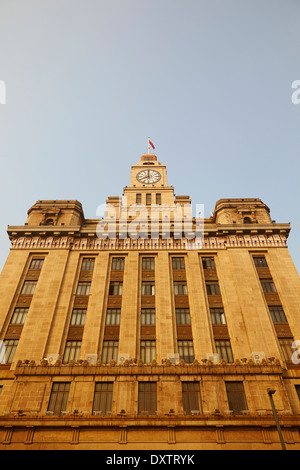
pixel 148 176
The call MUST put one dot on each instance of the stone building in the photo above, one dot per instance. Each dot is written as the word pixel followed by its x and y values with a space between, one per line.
pixel 128 333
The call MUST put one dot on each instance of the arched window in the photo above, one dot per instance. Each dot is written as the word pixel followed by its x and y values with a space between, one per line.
pixel 247 220
pixel 49 222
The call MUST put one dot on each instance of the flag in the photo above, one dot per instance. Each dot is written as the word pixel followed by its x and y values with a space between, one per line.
pixel 151 144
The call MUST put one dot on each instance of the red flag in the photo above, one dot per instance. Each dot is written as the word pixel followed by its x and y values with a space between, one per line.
pixel 151 144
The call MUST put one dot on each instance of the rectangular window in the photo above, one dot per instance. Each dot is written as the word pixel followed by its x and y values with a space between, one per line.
pixel 29 287
pixel 36 264
pixel 110 351
pixel 223 348
pixel 113 316
pixel 148 288
pixel 180 288
pixel 138 199
pixel 103 398
pixel 268 285
pixel 147 398
pixel 148 199
pixel 260 262
pixel 148 316
pixel 183 316
pixel 217 316
pixel 87 264
pixel 72 351
pixel 190 397
pixel 148 350
pixel 19 316
pixel 158 198
pixel 115 288
pixel 83 288
pixel 148 263
pixel 7 351
pixel 186 350
pixel 212 288
pixel 208 263
pixel 286 347
pixel 277 313
pixel 236 397
pixel 117 264
pixel 78 316
pixel 178 263
pixel 59 397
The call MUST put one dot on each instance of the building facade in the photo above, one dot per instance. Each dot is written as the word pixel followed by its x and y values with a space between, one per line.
pixel 128 333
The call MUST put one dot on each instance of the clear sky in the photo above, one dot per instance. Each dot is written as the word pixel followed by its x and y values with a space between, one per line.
pixel 209 81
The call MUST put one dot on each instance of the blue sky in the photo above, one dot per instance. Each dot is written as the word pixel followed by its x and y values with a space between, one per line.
pixel 208 80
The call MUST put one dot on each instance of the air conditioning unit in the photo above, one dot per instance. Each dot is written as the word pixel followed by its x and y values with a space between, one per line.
pixel 258 356
pixel 173 357
pixel 91 358
pixel 52 358
pixel 122 358
pixel 214 357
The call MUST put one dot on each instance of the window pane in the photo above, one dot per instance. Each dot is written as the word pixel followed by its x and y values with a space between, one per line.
pixel 147 398
pixel 186 350
pixel 148 350
pixel 183 316
pixel 178 263
pixel 260 262
pixel 110 351
pixel 148 199
pixel 223 348
pixel 8 350
pixel 158 198
pixel 180 288
pixel 116 288
pixel 59 397
pixel 286 347
pixel 83 288
pixel 191 396
pixel 148 288
pixel 236 397
pixel 268 285
pixel 72 351
pixel 217 316
pixel 19 316
pixel 208 263
pixel 78 316
pixel 113 316
pixel 212 288
pixel 148 316
pixel 138 199
pixel 87 264
pixel 103 397
pixel 36 264
pixel 28 287
pixel 277 313
pixel 117 264
pixel 148 263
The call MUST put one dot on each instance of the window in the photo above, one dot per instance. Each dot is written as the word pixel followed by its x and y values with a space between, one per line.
pixel 223 348
pixel 212 288
pixel 83 288
pixel 148 263
pixel 247 220
pixel 208 263
pixel 110 351
pixel 148 350
pixel 277 313
pixel 217 316
pixel 113 316
pixel 78 316
pixel 190 397
pixel 178 263
pixel 117 264
pixel 72 351
pixel 183 316
pixel 28 287
pixel 36 264
pixel 148 316
pixel 87 264
pixel 236 397
pixel 268 285
pixel 180 288
pixel 297 387
pixel 158 198
pixel 49 222
pixel 186 350
pixel 59 397
pixel 147 398
pixel 7 350
pixel 138 199
pixel 148 199
pixel 115 288
pixel 19 316
pixel 148 288
pixel 260 262
pixel 286 347
pixel 103 398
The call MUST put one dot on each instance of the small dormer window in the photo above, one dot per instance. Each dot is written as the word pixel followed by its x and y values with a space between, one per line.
pixel 247 220
pixel 49 222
